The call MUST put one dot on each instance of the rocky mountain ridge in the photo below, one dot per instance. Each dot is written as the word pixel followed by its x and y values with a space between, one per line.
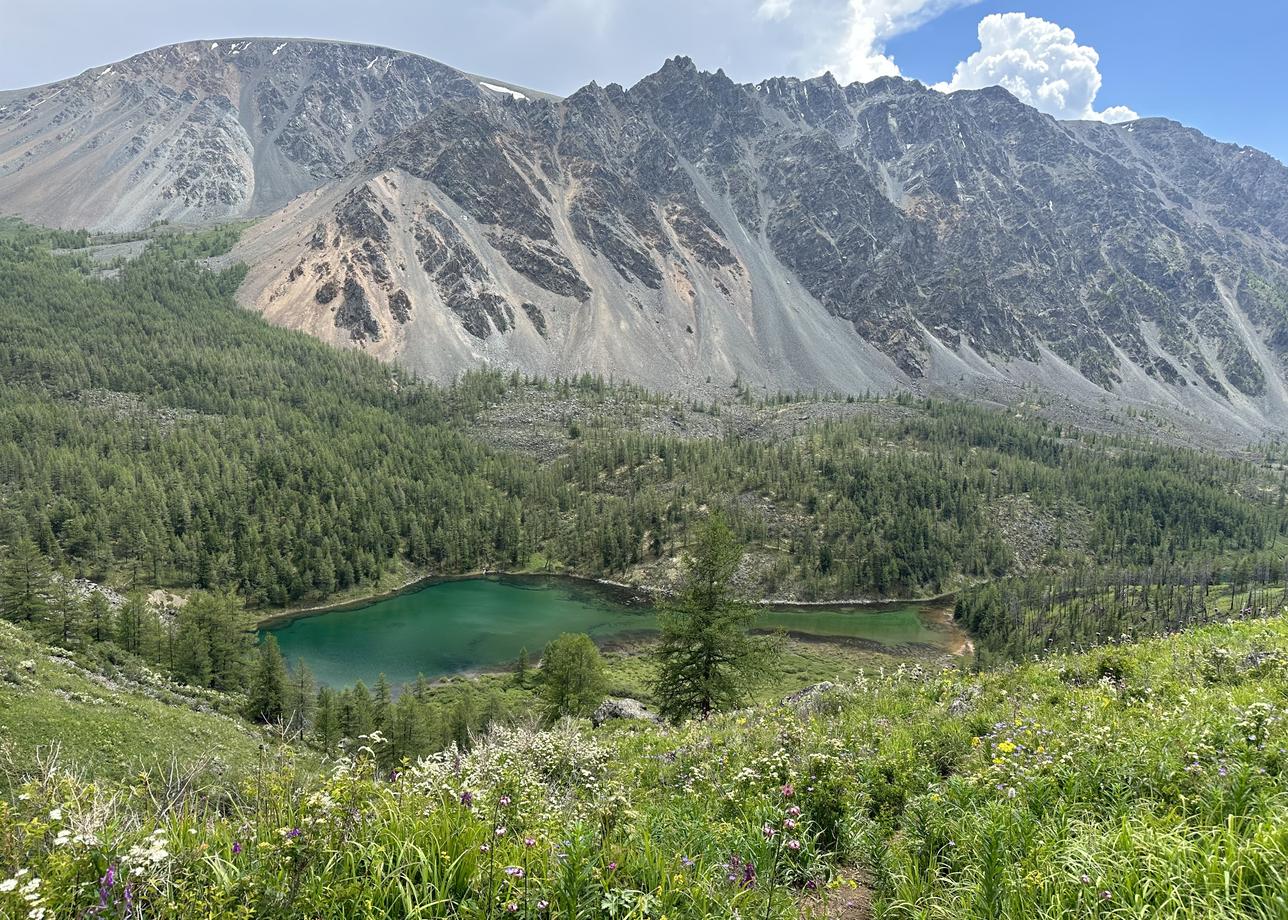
pixel 789 234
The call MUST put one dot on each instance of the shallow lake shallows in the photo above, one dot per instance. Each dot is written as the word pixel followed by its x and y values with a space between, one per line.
pixel 471 624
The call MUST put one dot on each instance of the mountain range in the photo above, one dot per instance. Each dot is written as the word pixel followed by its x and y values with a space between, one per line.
pixel 690 231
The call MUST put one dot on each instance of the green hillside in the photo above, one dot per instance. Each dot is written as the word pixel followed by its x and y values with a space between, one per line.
pixel 1144 780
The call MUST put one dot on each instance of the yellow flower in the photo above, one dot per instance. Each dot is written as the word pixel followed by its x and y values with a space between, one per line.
pixel 1006 747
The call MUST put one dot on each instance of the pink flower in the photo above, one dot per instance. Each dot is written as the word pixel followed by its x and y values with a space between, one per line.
pixel 793 845
pixel 794 811
pixel 768 831
pixel 787 790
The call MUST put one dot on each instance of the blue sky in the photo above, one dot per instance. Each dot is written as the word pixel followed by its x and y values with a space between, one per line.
pixel 1220 67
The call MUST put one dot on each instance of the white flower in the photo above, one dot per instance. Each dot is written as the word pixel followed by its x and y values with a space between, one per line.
pixel 8 884
pixel 56 815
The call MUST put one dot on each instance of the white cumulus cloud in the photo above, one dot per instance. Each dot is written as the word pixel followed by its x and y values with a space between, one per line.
pixel 774 10
pixel 868 25
pixel 1040 63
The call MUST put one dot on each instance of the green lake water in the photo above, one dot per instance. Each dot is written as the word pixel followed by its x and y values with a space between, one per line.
pixel 452 627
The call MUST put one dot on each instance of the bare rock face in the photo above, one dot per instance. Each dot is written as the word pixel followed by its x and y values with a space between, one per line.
pixel 791 234
pixel 806 234
pixel 207 130
pixel 626 708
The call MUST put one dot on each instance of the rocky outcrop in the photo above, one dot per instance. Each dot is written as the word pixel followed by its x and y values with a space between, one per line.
pixel 626 708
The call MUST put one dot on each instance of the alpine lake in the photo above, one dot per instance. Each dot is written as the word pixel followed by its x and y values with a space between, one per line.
pixel 471 625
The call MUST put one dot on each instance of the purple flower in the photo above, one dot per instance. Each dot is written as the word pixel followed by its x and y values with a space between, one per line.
pixel 483 848
pixel 793 845
pixel 787 790
pixel 514 871
pixel 512 907
pixel 529 842
pixel 811 885
pixel 768 831
pixel 542 904
pixel 1105 895
pixel 794 811
pixel 1086 880
pixel 500 830
pixel 236 847
pixel 789 824
pixel 467 798
pixel 748 876
pixel 686 862
pixel 612 867
pixel 505 801
pixel 293 833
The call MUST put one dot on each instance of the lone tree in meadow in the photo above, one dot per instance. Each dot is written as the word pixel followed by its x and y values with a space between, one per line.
pixel 571 677
pixel 707 659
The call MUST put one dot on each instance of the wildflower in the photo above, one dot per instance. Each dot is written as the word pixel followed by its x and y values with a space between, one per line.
pixel 500 830
pixel 467 798
pixel 787 791
pixel 686 862
pixel 514 871
pixel 529 842
pixel 8 884
pixel 236 847
pixel 56 815
pixel 542 904
pixel 512 907
pixel 793 845
pixel 769 831
pixel 505 801
pixel 484 848
pixel 293 833
pixel 748 876
pixel 1086 879
pixel 612 867
pixel 789 824
pixel 794 811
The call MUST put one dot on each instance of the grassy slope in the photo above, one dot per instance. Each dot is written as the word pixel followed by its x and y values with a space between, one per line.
pixel 1148 780
pixel 109 722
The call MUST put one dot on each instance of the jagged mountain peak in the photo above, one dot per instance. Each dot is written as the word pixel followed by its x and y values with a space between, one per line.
pixel 793 233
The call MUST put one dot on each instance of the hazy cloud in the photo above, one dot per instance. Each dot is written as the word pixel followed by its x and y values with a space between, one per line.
pixel 773 10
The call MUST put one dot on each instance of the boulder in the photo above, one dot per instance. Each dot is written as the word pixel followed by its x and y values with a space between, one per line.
pixel 622 709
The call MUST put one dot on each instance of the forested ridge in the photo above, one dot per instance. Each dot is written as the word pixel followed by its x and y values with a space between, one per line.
pixel 152 433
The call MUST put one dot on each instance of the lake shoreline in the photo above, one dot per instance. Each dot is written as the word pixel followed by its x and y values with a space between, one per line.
pixel 648 593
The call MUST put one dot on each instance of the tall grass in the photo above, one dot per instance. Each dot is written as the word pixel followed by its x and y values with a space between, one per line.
pixel 1145 781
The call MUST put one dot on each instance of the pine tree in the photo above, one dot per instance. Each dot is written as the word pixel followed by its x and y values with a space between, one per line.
pixel 572 677
pixel 521 666
pixel 266 698
pixel 24 584
pixel 326 721
pixel 98 615
pixel 707 659
pixel 302 697
pixel 64 613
